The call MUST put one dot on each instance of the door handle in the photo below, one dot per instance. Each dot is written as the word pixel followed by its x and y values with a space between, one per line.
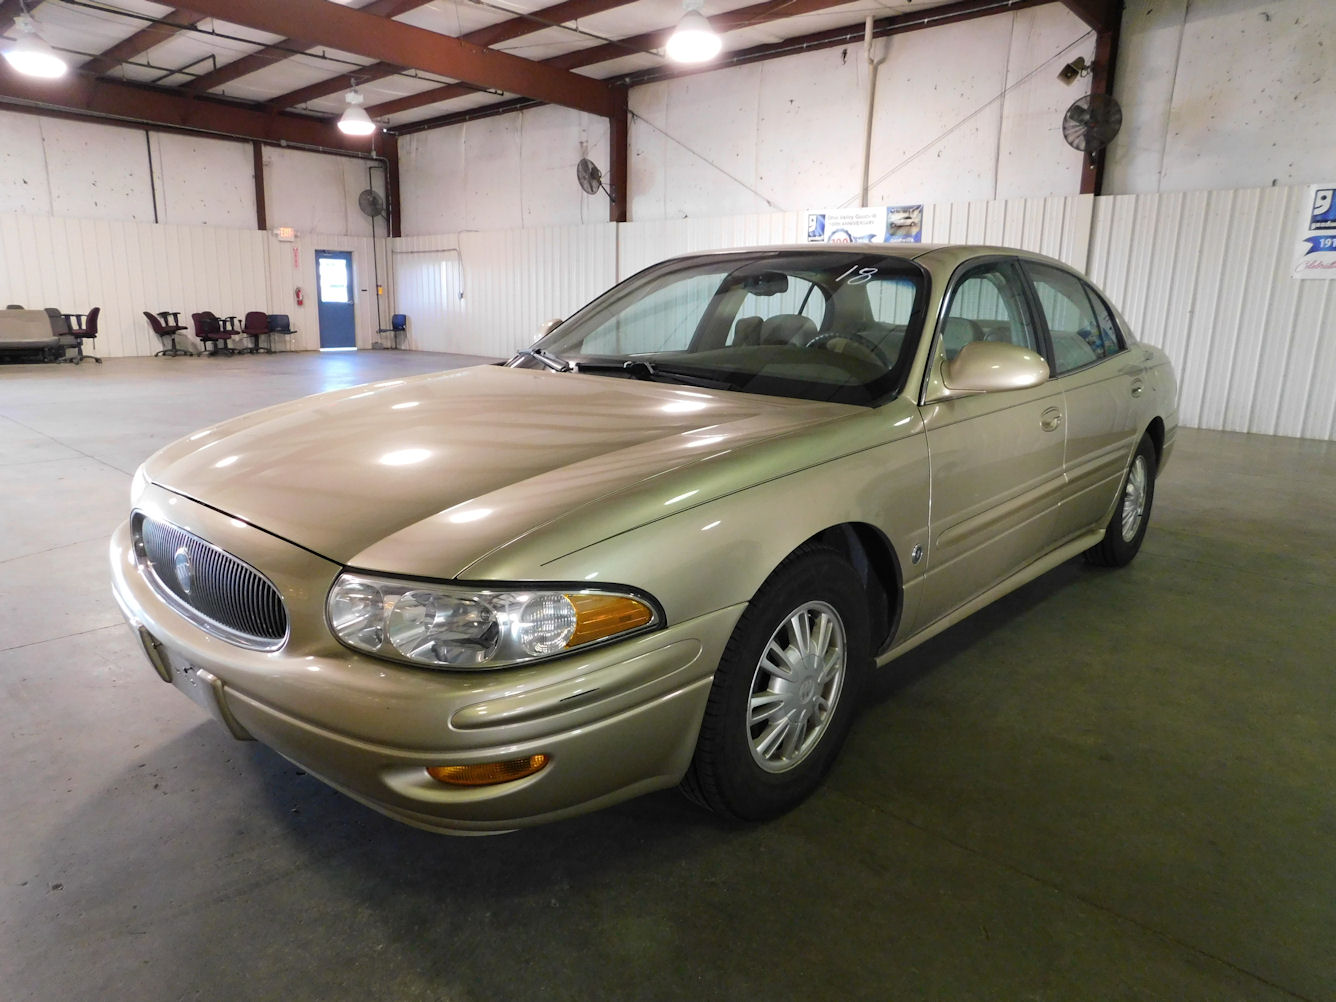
pixel 1138 388
pixel 1051 419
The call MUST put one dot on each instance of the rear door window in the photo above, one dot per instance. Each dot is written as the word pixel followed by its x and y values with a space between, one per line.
pixel 1076 333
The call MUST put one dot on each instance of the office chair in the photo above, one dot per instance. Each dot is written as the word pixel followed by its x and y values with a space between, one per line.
pixel 209 330
pixel 398 325
pixel 256 326
pixel 167 331
pixel 84 327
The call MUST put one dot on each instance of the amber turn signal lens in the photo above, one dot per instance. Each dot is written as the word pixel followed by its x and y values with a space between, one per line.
pixel 599 616
pixel 488 773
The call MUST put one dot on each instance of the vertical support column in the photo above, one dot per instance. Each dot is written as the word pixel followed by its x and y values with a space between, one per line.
pixel 1101 82
pixel 261 210
pixel 391 154
pixel 618 151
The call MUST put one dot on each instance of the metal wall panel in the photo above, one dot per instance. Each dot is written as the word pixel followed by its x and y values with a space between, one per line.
pixel 489 293
pixel 1206 276
pixel 643 244
pixel 1058 226
pixel 286 272
pixel 128 267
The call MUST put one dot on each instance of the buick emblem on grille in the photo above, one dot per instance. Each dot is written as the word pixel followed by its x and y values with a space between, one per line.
pixel 185 571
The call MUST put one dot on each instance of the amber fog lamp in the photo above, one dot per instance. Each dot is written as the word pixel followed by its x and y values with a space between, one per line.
pixel 599 616
pixel 488 773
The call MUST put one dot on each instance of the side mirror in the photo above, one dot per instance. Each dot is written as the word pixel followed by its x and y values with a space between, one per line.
pixel 549 327
pixel 988 366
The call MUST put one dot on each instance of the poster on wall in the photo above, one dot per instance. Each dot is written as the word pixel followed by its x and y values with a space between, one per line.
pixel 846 226
pixel 1317 239
pixel 904 224
pixel 894 224
pixel 879 225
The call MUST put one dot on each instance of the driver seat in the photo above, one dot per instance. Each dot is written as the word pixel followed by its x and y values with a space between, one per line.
pixel 787 328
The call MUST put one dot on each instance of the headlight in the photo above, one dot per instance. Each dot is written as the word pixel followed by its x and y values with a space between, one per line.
pixel 138 484
pixel 460 627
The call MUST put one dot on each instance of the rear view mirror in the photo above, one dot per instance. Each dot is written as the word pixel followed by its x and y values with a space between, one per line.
pixel 988 366
pixel 767 283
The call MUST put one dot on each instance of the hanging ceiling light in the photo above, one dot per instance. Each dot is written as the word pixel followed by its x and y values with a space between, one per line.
pixel 355 121
pixel 31 55
pixel 693 41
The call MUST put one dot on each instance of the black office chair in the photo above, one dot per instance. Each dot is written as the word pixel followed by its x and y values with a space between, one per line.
pixel 84 327
pixel 279 324
pixel 167 329
pixel 398 325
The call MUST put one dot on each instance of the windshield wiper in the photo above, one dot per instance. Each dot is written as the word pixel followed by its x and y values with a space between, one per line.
pixel 554 362
pixel 652 372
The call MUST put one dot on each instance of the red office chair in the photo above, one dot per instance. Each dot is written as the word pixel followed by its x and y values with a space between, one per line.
pixel 209 330
pixel 256 326
pixel 167 331
pixel 84 327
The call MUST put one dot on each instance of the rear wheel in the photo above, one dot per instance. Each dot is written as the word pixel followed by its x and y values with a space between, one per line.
pixel 1127 528
pixel 785 691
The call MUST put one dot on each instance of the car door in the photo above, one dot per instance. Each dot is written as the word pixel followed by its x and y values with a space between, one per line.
pixel 996 458
pixel 1101 382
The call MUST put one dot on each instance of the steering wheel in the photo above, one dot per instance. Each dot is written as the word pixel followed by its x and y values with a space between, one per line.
pixel 861 341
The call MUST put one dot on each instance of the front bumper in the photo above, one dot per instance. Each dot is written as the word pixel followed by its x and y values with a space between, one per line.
pixel 615 722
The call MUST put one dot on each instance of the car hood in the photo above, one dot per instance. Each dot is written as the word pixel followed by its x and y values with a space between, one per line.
pixel 433 472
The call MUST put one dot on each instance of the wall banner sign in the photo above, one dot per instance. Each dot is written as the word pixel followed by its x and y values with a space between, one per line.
pixel 1317 237
pixel 884 224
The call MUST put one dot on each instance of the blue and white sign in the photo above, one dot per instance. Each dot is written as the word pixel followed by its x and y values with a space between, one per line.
pixel 846 226
pixel 1317 240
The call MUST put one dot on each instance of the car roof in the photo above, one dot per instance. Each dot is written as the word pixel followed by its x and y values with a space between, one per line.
pixel 935 257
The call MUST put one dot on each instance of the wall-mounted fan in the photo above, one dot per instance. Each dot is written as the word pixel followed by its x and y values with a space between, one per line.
pixel 372 203
pixel 590 177
pixel 1091 122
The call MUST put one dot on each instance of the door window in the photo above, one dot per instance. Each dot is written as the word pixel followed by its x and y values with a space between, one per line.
pixel 987 305
pixel 333 280
pixel 1078 337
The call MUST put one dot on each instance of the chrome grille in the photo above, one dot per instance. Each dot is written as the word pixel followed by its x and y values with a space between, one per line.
pixel 219 593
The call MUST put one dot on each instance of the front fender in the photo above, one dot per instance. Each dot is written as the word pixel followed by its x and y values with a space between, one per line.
pixel 718 554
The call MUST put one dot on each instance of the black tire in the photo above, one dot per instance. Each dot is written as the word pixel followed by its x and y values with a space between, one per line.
pixel 1127 528
pixel 731 774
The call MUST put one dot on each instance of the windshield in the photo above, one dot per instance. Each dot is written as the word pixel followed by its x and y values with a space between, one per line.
pixel 813 324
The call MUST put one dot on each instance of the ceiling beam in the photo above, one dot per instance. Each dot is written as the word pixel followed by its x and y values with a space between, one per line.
pixel 771 10
pixel 1100 15
pixel 383 39
pixel 502 31
pixel 286 49
pixel 92 98
pixel 140 42
pixel 759 13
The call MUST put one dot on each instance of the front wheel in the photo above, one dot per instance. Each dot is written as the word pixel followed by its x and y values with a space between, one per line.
pixel 1127 527
pixel 785 691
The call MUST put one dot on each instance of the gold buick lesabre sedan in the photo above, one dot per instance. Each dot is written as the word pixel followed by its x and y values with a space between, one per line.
pixel 664 545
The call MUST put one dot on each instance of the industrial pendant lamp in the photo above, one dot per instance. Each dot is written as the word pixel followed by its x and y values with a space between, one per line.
pixel 693 40
pixel 355 121
pixel 31 55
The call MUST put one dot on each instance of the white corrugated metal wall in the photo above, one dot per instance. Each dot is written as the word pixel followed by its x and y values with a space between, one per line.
pixel 489 293
pixel 1207 276
pixel 127 268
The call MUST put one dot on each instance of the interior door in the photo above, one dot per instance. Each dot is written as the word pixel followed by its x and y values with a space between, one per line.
pixel 334 299
pixel 996 458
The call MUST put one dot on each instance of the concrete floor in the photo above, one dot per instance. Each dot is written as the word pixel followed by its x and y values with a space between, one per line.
pixel 1110 785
